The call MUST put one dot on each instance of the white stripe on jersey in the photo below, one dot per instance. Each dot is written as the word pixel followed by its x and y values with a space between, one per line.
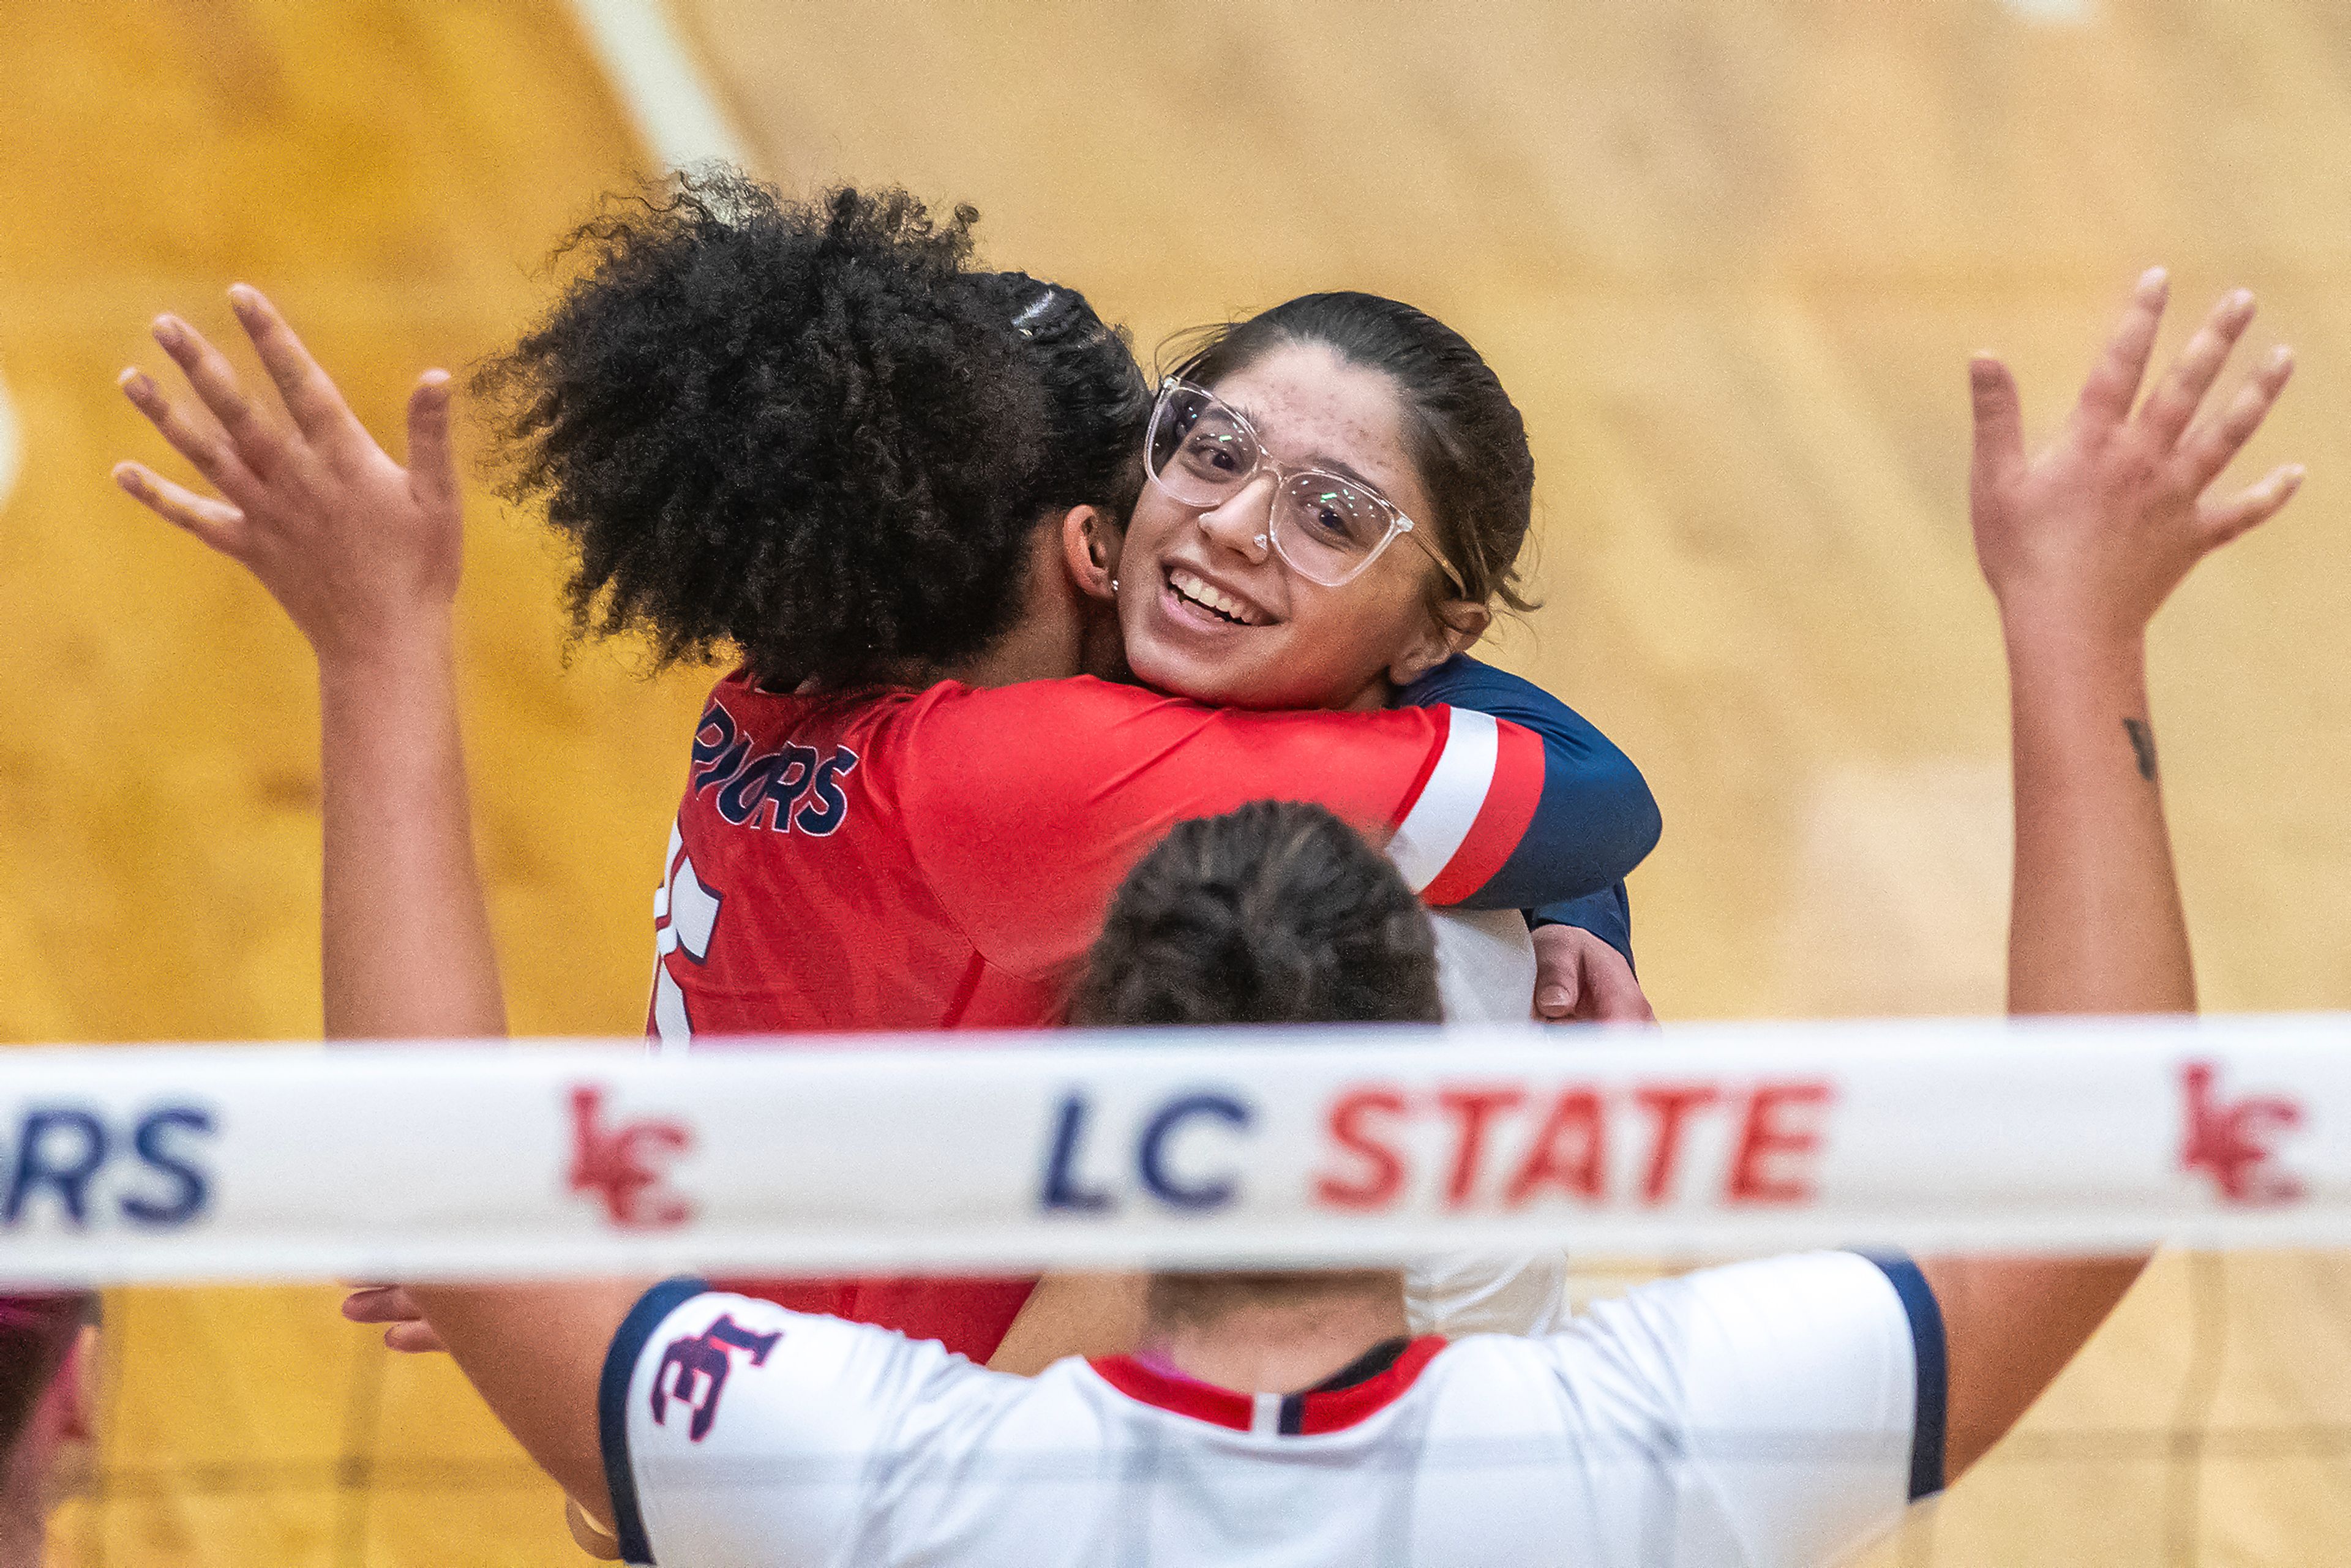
pixel 1432 831
pixel 1764 1415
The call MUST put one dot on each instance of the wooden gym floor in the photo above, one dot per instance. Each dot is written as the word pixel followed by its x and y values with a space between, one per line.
pixel 1730 257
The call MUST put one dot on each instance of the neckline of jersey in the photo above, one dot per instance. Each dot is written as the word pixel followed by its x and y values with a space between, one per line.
pixel 1315 1411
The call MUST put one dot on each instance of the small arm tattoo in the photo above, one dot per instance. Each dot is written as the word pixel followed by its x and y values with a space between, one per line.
pixel 2142 739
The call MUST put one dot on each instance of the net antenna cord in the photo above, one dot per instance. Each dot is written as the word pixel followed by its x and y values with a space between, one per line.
pixel 1226 1148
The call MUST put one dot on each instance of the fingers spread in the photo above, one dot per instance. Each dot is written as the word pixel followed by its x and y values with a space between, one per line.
pixel 2000 421
pixel 309 395
pixel 2181 392
pixel 2112 386
pixel 2224 520
pixel 258 446
pixel 2212 445
pixel 432 464
pixel 191 433
pixel 217 523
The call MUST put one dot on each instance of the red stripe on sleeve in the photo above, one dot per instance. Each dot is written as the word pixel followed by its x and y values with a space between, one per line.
pixel 1509 807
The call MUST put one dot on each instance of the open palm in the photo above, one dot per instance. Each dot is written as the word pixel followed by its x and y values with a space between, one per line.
pixel 350 542
pixel 2099 527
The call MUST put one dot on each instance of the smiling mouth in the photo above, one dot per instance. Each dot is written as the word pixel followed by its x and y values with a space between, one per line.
pixel 1207 597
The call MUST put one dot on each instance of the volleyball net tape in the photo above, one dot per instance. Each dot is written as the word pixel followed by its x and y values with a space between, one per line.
pixel 1228 1148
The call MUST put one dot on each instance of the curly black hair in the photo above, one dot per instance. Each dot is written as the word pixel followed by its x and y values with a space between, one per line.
pixel 1274 913
pixel 810 433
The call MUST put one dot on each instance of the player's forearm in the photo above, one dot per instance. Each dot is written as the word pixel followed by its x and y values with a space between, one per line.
pixel 405 942
pixel 407 954
pixel 2097 925
pixel 536 1355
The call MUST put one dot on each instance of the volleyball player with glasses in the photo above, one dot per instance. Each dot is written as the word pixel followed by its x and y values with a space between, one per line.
pixel 1328 528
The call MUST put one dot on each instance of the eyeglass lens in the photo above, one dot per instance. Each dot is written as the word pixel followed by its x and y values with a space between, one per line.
pixel 1203 455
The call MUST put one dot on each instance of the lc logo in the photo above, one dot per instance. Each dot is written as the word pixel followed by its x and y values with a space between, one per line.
pixel 623 1166
pixel 1067 1187
pixel 693 1371
pixel 2233 1141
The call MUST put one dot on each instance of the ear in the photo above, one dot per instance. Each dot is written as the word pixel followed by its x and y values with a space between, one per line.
pixel 1091 542
pixel 1455 627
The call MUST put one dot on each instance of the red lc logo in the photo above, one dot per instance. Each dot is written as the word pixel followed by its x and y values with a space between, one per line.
pixel 2231 1141
pixel 623 1165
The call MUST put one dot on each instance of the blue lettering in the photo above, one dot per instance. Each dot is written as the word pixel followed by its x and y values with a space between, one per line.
pixel 38 1165
pixel 1062 1190
pixel 718 754
pixel 1151 1151
pixel 791 783
pixel 742 796
pixel 828 805
pixel 719 726
pixel 189 1185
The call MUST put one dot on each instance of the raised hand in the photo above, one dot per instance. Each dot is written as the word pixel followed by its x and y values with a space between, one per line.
pixel 355 547
pixel 2095 531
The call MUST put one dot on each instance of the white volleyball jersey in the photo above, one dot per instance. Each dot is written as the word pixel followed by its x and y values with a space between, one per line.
pixel 1486 972
pixel 1781 1412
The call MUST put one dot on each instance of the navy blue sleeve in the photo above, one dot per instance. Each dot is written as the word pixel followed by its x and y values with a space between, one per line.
pixel 1596 819
pixel 613 1408
pixel 1607 914
pixel 1927 1335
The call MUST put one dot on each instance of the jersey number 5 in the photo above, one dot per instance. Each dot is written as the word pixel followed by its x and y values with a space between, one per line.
pixel 685 913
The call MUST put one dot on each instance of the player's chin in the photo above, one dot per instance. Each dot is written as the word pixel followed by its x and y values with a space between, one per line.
pixel 1216 677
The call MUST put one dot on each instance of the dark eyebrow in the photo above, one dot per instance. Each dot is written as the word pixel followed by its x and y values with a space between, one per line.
pixel 1347 472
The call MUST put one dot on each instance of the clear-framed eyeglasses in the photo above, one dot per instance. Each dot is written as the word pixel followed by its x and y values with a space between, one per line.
pixel 1328 528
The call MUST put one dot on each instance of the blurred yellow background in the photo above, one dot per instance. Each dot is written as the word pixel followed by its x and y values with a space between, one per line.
pixel 1730 257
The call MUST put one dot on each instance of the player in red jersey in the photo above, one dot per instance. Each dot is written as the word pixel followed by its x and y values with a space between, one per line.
pixel 888 823
pixel 869 840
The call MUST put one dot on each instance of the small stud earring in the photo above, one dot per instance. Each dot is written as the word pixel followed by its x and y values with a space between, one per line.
pixel 1113 585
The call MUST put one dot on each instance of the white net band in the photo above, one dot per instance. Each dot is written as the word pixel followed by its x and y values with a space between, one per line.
pixel 1256 1148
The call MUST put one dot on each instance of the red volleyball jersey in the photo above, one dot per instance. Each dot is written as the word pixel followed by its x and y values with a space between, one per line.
pixel 943 858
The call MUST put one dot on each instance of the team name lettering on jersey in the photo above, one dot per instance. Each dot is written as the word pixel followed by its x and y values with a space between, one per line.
pixel 693 1371
pixel 792 786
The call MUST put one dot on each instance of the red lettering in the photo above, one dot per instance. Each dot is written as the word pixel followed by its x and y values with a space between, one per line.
pixel 1470 1109
pixel 1764 1136
pixel 1383 1173
pixel 1671 1107
pixel 1569 1152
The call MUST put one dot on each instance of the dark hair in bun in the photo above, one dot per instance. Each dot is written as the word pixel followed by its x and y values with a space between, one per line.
pixel 1277 913
pixel 807 433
